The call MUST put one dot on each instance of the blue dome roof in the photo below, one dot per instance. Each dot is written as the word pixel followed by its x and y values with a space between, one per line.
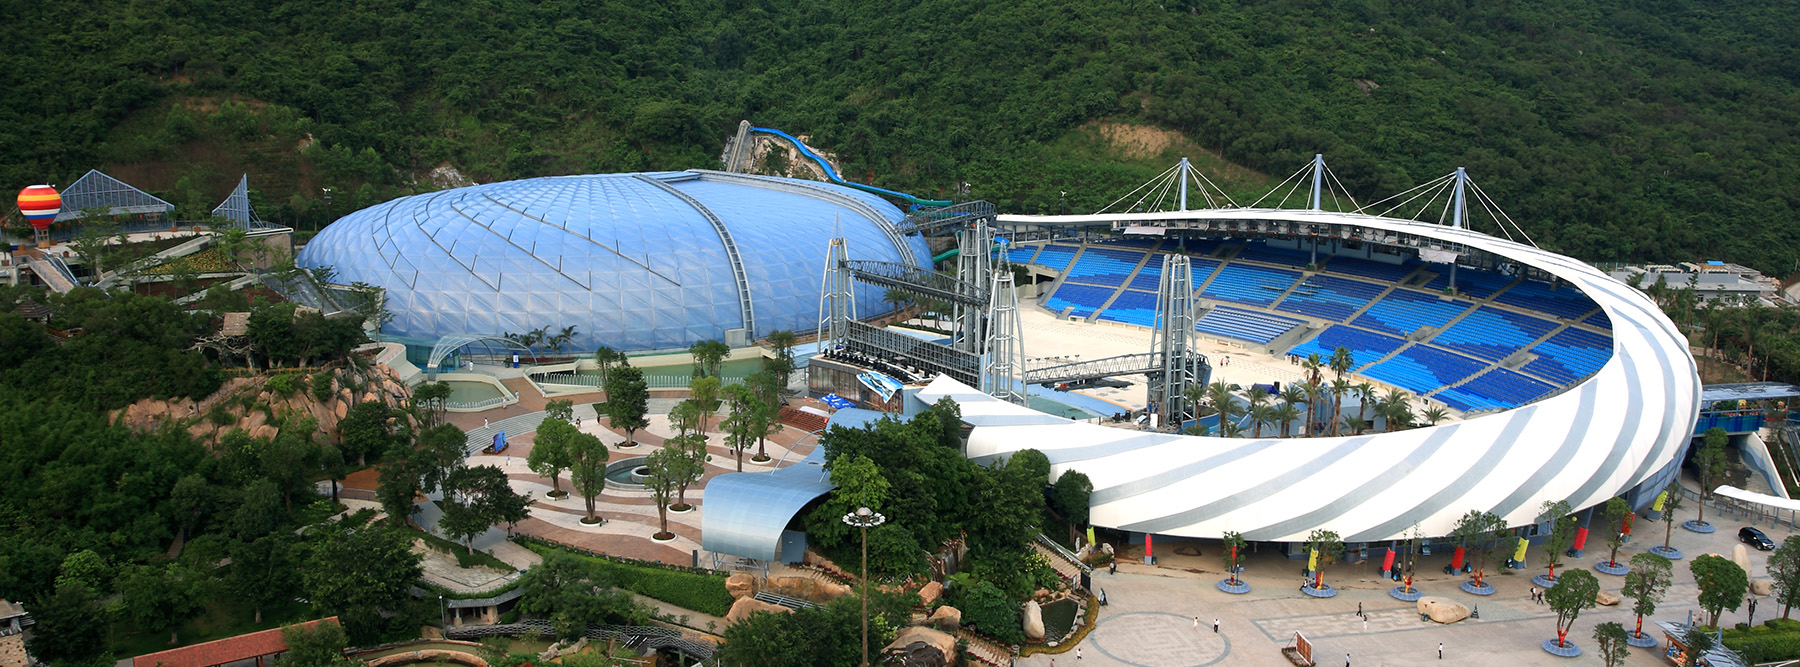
pixel 633 261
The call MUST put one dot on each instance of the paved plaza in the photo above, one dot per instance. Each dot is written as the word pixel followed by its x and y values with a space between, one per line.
pixel 1149 621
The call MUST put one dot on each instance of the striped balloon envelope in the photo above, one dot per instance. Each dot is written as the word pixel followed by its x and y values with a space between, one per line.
pixel 40 204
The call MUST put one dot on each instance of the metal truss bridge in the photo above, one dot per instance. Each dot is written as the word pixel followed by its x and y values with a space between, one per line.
pixel 918 281
pixel 1143 363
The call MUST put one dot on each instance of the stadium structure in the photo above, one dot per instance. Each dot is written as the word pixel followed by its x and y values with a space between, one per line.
pixel 637 262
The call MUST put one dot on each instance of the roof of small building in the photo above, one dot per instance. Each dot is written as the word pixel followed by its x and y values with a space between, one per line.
pixel 222 651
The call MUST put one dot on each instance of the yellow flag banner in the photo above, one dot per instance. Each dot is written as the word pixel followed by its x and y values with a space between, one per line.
pixel 1090 534
pixel 1312 563
pixel 1519 554
pixel 1660 497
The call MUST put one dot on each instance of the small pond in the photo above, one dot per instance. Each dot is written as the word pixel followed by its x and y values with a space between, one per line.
pixel 471 391
pixel 627 472
pixel 1059 617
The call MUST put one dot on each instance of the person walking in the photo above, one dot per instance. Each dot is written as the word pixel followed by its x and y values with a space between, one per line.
pixel 1359 611
pixel 1346 660
pixel 1365 624
pixel 1534 595
pixel 1215 626
pixel 1078 653
pixel 1440 650
pixel 1196 623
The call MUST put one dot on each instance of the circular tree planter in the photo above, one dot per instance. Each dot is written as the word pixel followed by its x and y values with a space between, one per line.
pixel 1400 593
pixel 1238 588
pixel 1640 641
pixel 663 537
pixel 1666 552
pixel 1544 580
pixel 761 458
pixel 1484 589
pixel 1615 569
pixel 556 495
pixel 680 509
pixel 592 522
pixel 1565 649
pixel 1698 527
pixel 1323 591
pixel 628 444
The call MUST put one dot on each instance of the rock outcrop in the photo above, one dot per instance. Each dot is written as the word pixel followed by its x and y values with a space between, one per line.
pixel 921 647
pixel 740 585
pixel 1606 598
pixel 946 618
pixel 806 588
pixel 1762 586
pixel 1034 621
pixel 929 594
pixel 744 607
pixel 1443 610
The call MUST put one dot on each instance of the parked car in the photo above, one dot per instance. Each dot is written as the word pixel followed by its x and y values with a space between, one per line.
pixel 1755 538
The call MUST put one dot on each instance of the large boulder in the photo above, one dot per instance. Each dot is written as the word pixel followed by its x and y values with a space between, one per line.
pixel 1606 598
pixel 921 647
pixel 1741 556
pixel 744 607
pixel 946 618
pixel 929 594
pixel 1762 586
pixel 806 588
pixel 1034 621
pixel 1443 610
pixel 740 585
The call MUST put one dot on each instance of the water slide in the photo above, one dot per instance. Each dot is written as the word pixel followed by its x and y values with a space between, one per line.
pixel 999 246
pixel 835 178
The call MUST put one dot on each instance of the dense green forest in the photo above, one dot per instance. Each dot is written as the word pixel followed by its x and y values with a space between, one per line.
pixel 1612 130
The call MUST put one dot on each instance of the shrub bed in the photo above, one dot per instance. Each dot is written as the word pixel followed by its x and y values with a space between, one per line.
pixel 1778 639
pixel 699 590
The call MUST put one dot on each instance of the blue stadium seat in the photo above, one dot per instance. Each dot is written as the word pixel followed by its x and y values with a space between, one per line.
pixel 1245 325
pixel 1132 308
pixel 1140 242
pixel 1492 333
pixel 1570 356
pixel 1254 285
pixel 1599 320
pixel 1104 266
pixel 1565 301
pixel 1329 297
pixel 1055 256
pixel 1422 368
pixel 1364 347
pixel 1365 268
pixel 1404 311
pixel 1496 389
pixel 1149 278
pixel 1262 252
pixel 1085 298
pixel 1020 254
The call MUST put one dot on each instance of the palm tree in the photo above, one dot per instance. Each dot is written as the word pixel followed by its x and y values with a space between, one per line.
pixel 1339 387
pixel 1259 415
pixel 1285 414
pixel 1313 392
pixel 1364 392
pixel 1398 409
pixel 1342 361
pixel 1435 414
pixel 1230 429
pixel 1355 423
pixel 1196 396
pixel 1312 366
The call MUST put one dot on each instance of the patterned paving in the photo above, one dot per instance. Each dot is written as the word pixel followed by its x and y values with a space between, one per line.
pixel 1155 639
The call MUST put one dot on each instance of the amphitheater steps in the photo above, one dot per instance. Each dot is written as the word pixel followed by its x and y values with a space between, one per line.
pixel 1152 254
pixel 1201 285
pixel 1459 316
pixel 1389 355
pixel 1290 290
pixel 1383 295
pixel 1508 286
pixel 1410 277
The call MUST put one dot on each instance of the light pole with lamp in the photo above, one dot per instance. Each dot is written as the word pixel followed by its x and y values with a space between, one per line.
pixel 443 621
pixel 865 519
pixel 327 192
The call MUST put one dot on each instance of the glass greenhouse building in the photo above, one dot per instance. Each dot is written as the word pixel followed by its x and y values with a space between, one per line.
pixel 634 261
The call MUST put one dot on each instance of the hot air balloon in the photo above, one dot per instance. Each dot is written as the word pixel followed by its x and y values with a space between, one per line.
pixel 40 204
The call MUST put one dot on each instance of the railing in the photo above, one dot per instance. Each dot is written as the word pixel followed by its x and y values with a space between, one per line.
pixel 652 381
pixel 635 636
pixel 1061 551
pixel 483 403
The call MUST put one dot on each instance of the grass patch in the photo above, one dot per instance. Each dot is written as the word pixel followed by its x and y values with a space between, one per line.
pixel 463 557
pixel 704 593
pixel 223 617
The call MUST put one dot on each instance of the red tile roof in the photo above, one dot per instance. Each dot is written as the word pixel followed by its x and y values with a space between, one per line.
pixel 221 651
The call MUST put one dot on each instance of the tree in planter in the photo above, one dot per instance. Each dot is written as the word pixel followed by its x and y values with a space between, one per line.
pixel 1231 548
pixel 781 365
pixel 1610 638
pixel 689 466
pixel 706 394
pixel 1573 592
pixel 667 468
pixel 1784 568
pixel 768 395
pixel 749 420
pixel 1562 532
pixel 1327 548
pixel 162 598
pixel 1479 532
pixel 1671 502
pixel 1648 580
pixel 1410 562
pixel 627 404
pixel 550 452
pixel 587 470
pixel 709 356
pixel 562 410
pixel 1709 463
pixel 1616 512
pixel 1722 584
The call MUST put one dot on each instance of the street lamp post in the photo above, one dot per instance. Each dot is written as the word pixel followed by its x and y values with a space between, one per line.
pixel 327 192
pixel 443 620
pixel 865 519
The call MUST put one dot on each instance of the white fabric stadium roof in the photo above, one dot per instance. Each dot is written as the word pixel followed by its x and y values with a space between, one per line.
pixel 1622 426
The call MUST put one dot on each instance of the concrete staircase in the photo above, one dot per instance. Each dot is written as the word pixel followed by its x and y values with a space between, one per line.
pixel 984 651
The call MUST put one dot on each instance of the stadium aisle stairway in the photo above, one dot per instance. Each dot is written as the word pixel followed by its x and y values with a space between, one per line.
pixel 1491 333
pixel 1246 325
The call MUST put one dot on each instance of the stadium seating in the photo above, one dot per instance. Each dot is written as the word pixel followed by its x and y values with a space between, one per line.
pixel 1254 285
pixel 1262 252
pixel 1149 278
pixel 1245 325
pixel 1565 301
pixel 1404 311
pixel 1329 297
pixel 1364 347
pixel 1139 242
pixel 1422 368
pixel 1104 266
pixel 1203 268
pixel 1198 246
pixel 1020 254
pixel 1599 320
pixel 1570 356
pixel 1055 256
pixel 1132 308
pixel 1364 268
pixel 1495 389
pixel 1492 333
pixel 1085 298
pixel 1478 284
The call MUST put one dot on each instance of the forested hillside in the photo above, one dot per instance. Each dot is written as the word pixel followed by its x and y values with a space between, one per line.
pixel 1610 129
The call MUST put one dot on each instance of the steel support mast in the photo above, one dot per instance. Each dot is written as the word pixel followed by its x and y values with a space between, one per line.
pixel 1003 361
pixel 1174 343
pixel 837 298
pixel 975 267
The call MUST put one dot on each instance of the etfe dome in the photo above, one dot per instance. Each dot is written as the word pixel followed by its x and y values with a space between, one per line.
pixel 633 261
